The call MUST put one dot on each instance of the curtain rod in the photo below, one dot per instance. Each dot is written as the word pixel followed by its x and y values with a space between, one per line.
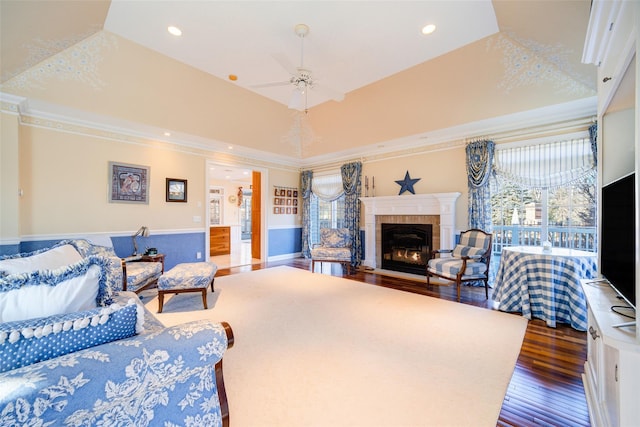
pixel 331 166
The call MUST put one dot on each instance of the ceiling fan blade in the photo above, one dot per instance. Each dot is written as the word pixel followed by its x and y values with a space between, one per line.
pixel 285 63
pixel 272 84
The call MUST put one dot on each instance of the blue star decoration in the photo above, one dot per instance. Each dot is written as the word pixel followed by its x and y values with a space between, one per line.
pixel 407 184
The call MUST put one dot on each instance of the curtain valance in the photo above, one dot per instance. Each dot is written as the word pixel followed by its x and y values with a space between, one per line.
pixel 546 165
pixel 327 187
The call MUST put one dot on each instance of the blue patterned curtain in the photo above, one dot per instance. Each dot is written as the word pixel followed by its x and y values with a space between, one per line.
pixel 479 167
pixel 351 173
pixel 593 136
pixel 305 185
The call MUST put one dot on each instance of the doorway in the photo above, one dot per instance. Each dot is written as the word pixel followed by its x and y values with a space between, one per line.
pixel 234 218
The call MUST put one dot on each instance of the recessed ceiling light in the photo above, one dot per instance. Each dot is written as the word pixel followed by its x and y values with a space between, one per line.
pixel 174 30
pixel 230 147
pixel 245 173
pixel 428 29
pixel 167 134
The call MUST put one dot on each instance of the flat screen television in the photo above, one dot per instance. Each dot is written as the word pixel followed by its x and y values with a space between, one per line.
pixel 618 237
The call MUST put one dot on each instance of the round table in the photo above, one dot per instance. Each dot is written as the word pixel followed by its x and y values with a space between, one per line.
pixel 545 285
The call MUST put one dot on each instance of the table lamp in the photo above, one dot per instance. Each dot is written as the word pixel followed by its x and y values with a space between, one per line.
pixel 144 232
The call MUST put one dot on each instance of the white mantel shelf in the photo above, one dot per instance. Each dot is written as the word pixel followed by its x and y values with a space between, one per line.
pixel 443 204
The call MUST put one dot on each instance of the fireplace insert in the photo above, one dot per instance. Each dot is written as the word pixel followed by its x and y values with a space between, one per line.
pixel 406 247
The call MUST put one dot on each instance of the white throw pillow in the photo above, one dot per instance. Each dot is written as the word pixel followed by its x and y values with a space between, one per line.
pixel 57 257
pixel 77 293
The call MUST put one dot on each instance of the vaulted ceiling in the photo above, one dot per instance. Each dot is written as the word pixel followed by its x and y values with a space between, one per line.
pixel 371 52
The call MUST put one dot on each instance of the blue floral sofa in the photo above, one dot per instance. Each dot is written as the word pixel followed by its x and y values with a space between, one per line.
pixel 76 350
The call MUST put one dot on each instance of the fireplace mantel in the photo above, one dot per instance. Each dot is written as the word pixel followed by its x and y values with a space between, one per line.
pixel 443 204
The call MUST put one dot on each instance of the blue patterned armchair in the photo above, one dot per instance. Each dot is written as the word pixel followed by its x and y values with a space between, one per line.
pixel 334 246
pixel 468 261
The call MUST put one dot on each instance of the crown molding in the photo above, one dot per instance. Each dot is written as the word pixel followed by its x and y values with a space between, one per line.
pixel 525 124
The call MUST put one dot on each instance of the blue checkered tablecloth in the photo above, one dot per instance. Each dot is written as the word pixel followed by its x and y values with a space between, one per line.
pixel 545 285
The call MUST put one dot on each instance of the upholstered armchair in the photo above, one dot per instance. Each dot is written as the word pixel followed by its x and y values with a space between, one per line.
pixel 334 246
pixel 468 261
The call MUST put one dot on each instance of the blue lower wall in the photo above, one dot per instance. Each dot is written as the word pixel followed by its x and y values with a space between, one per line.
pixel 283 241
pixel 177 248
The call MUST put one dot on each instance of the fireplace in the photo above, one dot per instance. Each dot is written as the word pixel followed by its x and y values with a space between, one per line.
pixel 406 247
pixel 408 210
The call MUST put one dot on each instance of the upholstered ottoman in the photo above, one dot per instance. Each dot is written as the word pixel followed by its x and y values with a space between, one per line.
pixel 187 277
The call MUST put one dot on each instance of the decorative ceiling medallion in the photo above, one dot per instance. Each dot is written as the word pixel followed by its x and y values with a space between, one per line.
pixel 300 136
pixel 78 62
pixel 528 63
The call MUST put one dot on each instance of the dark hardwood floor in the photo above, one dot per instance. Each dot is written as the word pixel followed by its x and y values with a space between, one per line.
pixel 546 387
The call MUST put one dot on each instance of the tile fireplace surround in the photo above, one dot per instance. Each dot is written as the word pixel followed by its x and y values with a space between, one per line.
pixel 435 205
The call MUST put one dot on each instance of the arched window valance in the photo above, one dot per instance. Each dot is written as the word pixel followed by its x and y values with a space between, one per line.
pixel 546 165
pixel 327 187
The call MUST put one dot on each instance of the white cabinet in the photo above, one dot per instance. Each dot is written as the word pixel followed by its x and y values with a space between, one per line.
pixel 612 370
pixel 610 44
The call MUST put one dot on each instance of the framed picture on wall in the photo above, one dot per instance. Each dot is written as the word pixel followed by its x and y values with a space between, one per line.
pixel 176 190
pixel 295 211
pixel 295 193
pixel 128 183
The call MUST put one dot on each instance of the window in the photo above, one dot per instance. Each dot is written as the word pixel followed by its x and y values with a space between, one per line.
pixel 325 215
pixel 216 197
pixel 245 215
pixel 326 204
pixel 545 193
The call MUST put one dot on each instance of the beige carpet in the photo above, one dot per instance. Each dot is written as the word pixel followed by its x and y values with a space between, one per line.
pixel 317 350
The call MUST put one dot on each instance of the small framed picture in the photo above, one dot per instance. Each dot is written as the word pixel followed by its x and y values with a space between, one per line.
pixel 289 193
pixel 276 192
pixel 295 211
pixel 289 211
pixel 295 202
pixel 276 201
pixel 128 183
pixel 295 193
pixel 276 210
pixel 283 192
pixel 176 190
pixel 288 202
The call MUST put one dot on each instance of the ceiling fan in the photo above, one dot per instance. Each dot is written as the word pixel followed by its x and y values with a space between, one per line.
pixel 301 78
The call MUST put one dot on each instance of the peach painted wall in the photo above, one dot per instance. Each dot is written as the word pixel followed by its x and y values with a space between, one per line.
pixel 476 82
pixel 65 182
pixel 439 172
pixel 9 167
